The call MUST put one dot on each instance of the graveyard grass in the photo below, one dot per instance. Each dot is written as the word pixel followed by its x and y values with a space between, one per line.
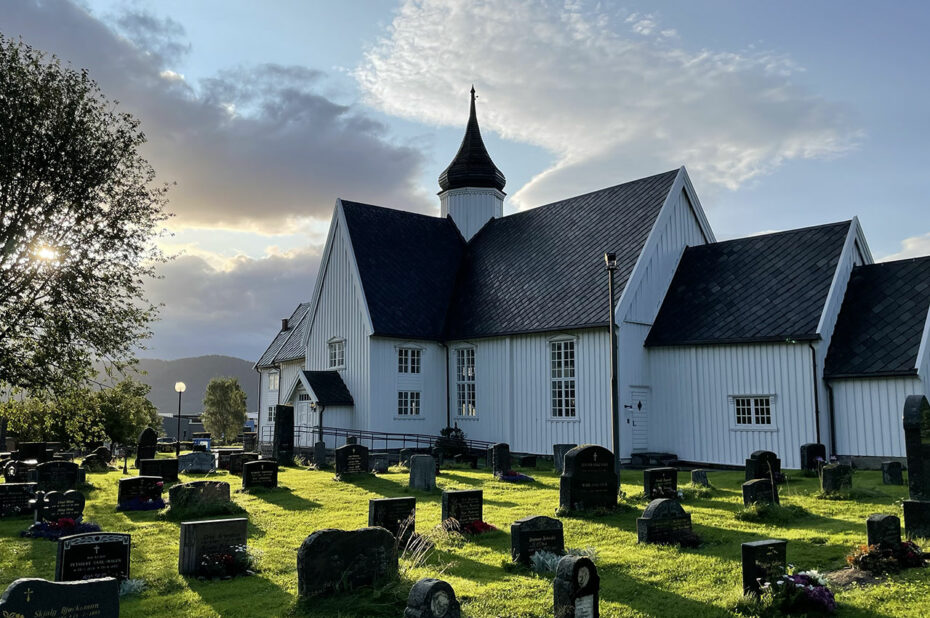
pixel 636 580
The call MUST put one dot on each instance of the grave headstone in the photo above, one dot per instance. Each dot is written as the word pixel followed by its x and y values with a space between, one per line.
pixel 835 477
pixel 199 495
pixel 199 538
pixel 223 455
pixel 422 472
pixel 588 479
pixel 249 441
pixel 261 473
pixel 200 446
pixel 351 440
pixel 576 588
pixel 92 556
pixel 15 498
pixel 884 530
pixel 660 483
pixel 140 493
pixel 532 534
pixel 762 561
pixel 282 447
pixel 892 473
pixel 499 458
pixel 763 465
pixel 146 445
pixel 197 463
pixel 812 455
pixel 917 444
pixel 432 598
pixel 57 475
pixel 379 462
pixel 167 469
pixel 760 491
pixel 94 463
pixel 465 506
pixel 352 459
pixel 55 505
pixel 396 515
pixel 699 477
pixel 333 559
pixel 663 522
pixel 319 455
pixel 237 460
pixel 103 453
pixel 92 598
pixel 18 471
pixel 3 425
pixel 33 451
pixel 439 456
pixel 405 455
pixel 527 461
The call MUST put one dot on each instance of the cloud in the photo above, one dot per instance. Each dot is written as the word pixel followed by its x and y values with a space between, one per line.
pixel 915 246
pixel 255 147
pixel 607 93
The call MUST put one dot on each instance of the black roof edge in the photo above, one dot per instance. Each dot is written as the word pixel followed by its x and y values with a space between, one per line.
pixel 776 339
pixel 770 234
pixel 535 331
pixel 902 373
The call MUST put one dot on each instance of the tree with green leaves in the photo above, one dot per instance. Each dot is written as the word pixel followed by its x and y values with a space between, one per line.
pixel 224 410
pixel 79 214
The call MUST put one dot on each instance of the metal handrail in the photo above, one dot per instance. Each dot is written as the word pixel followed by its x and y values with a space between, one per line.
pixel 383 439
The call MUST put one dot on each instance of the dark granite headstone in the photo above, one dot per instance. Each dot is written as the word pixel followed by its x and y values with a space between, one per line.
pixel 558 455
pixel 55 505
pixel 812 455
pixel 699 477
pixel 663 522
pixel 140 493
pixel 237 460
pixel 166 469
pixel 835 477
pixel 15 497
pixel 405 455
pixel 499 458
pixel 262 473
pixel 532 534
pixel 352 459
pixel 660 483
pixel 379 462
pixel 760 491
pixel 319 455
pixel 576 588
pixel 92 556
pixel 282 447
pixel 465 506
pixel 763 465
pixel 422 473
pixel 762 560
pixel 94 463
pixel 197 463
pixel 103 453
pixel 338 559
pixel 57 475
pixel 396 515
pixel 199 495
pixel 30 597
pixel 249 441
pixel 33 451
pixel 223 456
pixel 526 461
pixel 18 471
pixel 892 473
pixel 432 598
pixel 588 479
pixel 884 530
pixel 199 538
pixel 351 440
pixel 147 445
pixel 917 445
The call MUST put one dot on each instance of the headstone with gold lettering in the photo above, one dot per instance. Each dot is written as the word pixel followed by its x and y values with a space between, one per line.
pixel 92 598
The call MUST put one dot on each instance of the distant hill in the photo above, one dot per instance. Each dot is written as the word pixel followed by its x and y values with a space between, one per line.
pixel 196 373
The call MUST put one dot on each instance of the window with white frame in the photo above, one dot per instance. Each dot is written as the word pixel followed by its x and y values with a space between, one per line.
pixel 337 353
pixel 408 360
pixel 273 380
pixel 270 414
pixel 408 403
pixel 465 382
pixel 753 410
pixel 562 376
pixel 303 397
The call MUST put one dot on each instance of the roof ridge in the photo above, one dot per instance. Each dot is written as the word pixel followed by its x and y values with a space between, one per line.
pixel 771 234
pixel 917 258
pixel 353 203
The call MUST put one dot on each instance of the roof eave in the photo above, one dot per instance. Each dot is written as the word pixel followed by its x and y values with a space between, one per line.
pixel 786 339
pixel 900 373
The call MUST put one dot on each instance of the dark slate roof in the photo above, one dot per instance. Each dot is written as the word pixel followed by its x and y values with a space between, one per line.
pixel 472 165
pixel 407 263
pixel 543 269
pixel 762 288
pixel 880 326
pixel 286 344
pixel 329 388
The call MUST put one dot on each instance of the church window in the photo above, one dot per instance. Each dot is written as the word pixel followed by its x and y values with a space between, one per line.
pixel 273 380
pixel 408 360
pixel 408 403
pixel 337 353
pixel 465 382
pixel 562 376
pixel 753 410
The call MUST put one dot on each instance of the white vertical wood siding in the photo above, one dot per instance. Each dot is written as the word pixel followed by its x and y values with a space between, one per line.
pixel 470 208
pixel 386 381
pixel 868 415
pixel 692 412
pixel 340 313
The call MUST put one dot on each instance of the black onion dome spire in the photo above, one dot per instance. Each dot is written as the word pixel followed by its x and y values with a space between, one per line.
pixel 472 165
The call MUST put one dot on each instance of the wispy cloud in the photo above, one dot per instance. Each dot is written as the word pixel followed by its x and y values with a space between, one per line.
pixel 915 246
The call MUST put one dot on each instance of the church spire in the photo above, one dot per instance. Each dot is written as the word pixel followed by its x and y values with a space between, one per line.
pixel 472 165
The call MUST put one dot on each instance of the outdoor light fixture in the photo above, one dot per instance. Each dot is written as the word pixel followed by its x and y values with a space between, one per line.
pixel 180 387
pixel 610 259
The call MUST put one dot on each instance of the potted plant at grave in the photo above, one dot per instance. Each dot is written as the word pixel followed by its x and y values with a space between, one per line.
pixel 804 593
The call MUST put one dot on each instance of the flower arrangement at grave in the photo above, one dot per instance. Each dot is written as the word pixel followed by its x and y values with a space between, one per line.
pixel 143 503
pixel 512 476
pixel 880 559
pixel 805 592
pixel 53 530
pixel 233 563
pixel 473 528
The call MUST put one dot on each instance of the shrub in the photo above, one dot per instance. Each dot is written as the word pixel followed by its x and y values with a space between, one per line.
pixel 771 513
pixel 452 441
pixel 876 559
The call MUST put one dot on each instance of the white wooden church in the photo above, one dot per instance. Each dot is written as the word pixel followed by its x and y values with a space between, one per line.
pixel 499 324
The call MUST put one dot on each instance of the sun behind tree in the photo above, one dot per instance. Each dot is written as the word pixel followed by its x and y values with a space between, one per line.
pixel 224 410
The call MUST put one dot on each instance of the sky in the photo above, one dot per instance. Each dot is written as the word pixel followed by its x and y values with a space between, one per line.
pixel 785 114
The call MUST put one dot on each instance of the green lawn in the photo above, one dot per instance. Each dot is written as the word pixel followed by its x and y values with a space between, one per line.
pixel 635 580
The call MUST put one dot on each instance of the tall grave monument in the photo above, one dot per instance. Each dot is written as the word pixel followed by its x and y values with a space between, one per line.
pixel 917 445
pixel 589 480
pixel 283 442
pixel 145 448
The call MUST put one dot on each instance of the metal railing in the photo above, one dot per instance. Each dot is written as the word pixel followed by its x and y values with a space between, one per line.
pixel 307 435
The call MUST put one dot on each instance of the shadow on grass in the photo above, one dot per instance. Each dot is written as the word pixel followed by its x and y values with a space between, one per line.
pixel 464 480
pixel 283 497
pixel 651 600
pixel 243 596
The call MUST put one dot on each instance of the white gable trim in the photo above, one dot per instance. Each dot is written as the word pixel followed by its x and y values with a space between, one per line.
pixel 292 389
pixel 924 349
pixel 854 237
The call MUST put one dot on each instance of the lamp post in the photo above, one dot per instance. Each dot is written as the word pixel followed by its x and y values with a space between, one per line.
pixel 610 262
pixel 180 387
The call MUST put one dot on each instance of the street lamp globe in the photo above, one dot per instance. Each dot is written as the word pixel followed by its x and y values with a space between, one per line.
pixel 180 387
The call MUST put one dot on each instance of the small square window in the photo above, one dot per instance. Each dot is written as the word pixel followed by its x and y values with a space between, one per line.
pixel 408 403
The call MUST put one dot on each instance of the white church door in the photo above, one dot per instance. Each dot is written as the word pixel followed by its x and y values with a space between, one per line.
pixel 639 400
